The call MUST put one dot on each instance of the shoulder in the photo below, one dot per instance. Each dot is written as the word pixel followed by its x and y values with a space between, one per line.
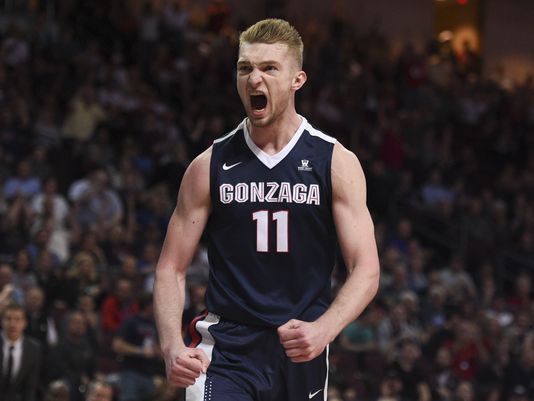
pixel 198 170
pixel 346 168
pixel 195 185
pixel 31 344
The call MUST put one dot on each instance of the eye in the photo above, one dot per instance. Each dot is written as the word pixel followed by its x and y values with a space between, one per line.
pixel 244 69
pixel 270 68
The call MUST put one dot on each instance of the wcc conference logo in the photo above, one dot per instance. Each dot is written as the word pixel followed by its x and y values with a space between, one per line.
pixel 304 165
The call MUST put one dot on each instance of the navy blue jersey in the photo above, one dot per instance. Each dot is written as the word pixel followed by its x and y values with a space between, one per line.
pixel 271 235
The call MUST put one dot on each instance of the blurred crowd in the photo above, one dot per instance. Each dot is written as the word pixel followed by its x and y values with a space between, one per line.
pixel 104 104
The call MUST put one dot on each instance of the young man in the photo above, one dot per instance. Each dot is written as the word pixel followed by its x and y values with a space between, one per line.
pixel 20 357
pixel 275 196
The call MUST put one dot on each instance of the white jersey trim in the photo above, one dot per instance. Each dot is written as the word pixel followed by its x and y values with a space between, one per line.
pixel 224 138
pixel 325 391
pixel 319 134
pixel 200 391
pixel 270 161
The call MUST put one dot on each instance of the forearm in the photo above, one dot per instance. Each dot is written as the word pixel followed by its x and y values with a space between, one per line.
pixel 353 297
pixel 169 294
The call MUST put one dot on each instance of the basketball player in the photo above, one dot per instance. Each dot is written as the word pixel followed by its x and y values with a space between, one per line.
pixel 274 196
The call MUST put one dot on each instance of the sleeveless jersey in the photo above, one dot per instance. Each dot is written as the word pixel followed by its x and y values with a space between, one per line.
pixel 271 236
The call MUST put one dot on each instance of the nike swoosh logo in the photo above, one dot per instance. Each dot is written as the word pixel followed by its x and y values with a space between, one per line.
pixel 225 167
pixel 311 395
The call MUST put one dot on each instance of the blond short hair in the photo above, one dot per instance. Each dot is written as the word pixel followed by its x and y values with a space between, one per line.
pixel 273 30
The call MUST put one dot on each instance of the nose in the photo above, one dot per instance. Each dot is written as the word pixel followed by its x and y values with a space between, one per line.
pixel 254 78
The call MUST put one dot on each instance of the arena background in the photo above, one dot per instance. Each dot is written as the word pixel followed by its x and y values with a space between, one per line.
pixel 103 104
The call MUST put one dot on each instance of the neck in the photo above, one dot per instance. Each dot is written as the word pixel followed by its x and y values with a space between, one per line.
pixel 272 138
pixel 11 338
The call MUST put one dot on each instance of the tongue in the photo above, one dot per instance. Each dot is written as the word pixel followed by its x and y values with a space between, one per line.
pixel 258 102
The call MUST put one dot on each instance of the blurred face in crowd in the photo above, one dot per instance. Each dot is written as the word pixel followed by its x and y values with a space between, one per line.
pixel 57 391
pixel 124 290
pixel 267 79
pixel 13 323
pixel 443 357
pixel 77 326
pixel 23 260
pixel 86 303
pixel 6 275
pixel 523 285
pixel 34 299
pixel 465 392
pixel 410 352
pixel 100 392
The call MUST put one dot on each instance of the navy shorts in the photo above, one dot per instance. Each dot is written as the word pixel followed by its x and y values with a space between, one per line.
pixel 248 363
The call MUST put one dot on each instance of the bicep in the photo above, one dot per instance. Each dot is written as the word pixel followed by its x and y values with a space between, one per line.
pixel 353 221
pixel 189 217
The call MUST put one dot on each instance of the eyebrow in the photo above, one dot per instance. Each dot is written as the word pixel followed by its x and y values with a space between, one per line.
pixel 267 62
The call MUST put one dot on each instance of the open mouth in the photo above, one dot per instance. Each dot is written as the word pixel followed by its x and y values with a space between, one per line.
pixel 258 102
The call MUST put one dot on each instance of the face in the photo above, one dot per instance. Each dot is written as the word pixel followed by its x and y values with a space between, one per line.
pixel 267 79
pixel 86 303
pixel 6 275
pixel 13 323
pixel 77 326
pixel 101 393
pixel 34 299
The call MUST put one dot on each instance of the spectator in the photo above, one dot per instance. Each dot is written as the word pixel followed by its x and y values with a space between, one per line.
pixel 57 391
pixel 40 325
pixel 410 371
pixel 21 361
pixel 72 360
pixel 97 206
pixel 22 185
pixel 457 281
pixel 84 116
pixel 49 277
pixel 443 380
pixel 118 306
pixel 52 214
pixel 23 276
pixel 434 192
pixel 81 277
pixel 393 329
pixel 86 306
pixel 99 391
pixel 519 372
pixel 468 351
pixel 9 292
pixel 136 342
pixel 522 296
pixel 464 392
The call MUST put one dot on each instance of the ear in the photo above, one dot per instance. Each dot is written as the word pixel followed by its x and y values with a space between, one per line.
pixel 298 80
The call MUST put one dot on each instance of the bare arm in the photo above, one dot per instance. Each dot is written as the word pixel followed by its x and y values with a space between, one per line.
pixel 356 237
pixel 304 341
pixel 183 234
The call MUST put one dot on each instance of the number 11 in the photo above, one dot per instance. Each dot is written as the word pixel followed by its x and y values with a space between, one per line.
pixel 262 230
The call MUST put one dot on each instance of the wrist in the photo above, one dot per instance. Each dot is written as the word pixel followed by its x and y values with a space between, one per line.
pixel 168 347
pixel 328 328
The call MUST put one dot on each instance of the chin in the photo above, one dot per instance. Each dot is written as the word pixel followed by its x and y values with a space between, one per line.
pixel 260 122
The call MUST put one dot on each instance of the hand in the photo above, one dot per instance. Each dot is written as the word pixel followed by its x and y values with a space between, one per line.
pixel 184 365
pixel 303 341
